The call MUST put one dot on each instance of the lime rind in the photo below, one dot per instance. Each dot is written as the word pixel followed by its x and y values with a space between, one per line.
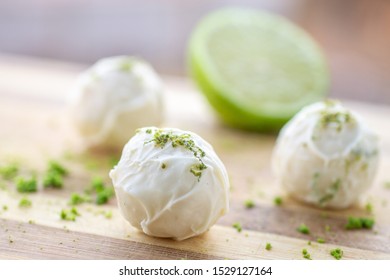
pixel 292 72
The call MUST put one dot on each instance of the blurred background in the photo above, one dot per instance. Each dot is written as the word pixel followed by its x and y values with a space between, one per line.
pixel 355 34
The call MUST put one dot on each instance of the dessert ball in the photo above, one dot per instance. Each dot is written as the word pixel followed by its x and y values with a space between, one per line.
pixel 113 98
pixel 326 155
pixel 170 183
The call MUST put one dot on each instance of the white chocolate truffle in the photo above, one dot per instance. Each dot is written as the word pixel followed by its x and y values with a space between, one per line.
pixel 170 183
pixel 113 98
pixel 326 156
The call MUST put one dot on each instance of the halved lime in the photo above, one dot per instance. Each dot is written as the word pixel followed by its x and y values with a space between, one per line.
pixel 256 69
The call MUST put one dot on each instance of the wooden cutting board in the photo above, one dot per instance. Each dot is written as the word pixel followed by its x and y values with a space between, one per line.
pixel 34 129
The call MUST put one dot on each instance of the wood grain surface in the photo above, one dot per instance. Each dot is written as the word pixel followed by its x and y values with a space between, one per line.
pixel 34 129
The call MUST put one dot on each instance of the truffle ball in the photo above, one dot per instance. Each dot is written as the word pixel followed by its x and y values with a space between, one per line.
pixel 170 183
pixel 326 155
pixel 113 98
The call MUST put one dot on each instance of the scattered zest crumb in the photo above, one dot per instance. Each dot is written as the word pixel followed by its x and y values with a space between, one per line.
pixel 161 138
pixel 369 208
pixel 249 204
pixel 359 223
pixel 306 254
pixel 69 215
pixel 268 246
pixel 9 172
pixel 320 240
pixel 337 253
pixel 53 180
pixel 57 168
pixel 103 193
pixel 76 199
pixel 25 203
pixel 303 229
pixel 24 185
pixel 108 215
pixel 237 226
pixel 54 175
pixel 278 201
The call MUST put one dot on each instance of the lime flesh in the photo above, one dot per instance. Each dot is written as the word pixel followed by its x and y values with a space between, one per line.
pixel 256 69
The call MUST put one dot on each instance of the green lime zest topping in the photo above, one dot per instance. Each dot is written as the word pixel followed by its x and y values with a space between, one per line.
pixel 24 185
pixel 163 166
pixel 369 208
pixel 303 229
pixel 330 102
pixel 359 223
pixel 161 138
pixel 249 203
pixel 335 119
pixel 337 253
pixel 56 167
pixel 320 240
pixel 53 180
pixel 237 226
pixel 126 66
pixel 268 246
pixel 103 193
pixel 9 172
pixel 76 199
pixel 54 175
pixel 69 214
pixel 278 201
pixel 306 254
pixel 104 196
pixel 334 188
pixel 25 203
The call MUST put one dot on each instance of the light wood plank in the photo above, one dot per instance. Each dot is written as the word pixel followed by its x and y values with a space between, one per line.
pixel 34 128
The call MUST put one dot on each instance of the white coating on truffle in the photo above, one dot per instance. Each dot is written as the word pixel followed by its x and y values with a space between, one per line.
pixel 157 192
pixel 326 155
pixel 113 98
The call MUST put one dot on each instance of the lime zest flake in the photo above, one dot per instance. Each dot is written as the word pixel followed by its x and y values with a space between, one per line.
pixel 369 208
pixel 306 254
pixel 54 175
pixel 161 138
pixel 320 240
pixel 9 172
pixel 76 199
pixel 69 214
pixel 278 201
pixel 237 226
pixel 337 253
pixel 25 203
pixel 103 193
pixel 249 204
pixel 56 167
pixel 359 223
pixel 335 119
pixel 24 185
pixel 53 180
pixel 303 229
pixel 268 246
